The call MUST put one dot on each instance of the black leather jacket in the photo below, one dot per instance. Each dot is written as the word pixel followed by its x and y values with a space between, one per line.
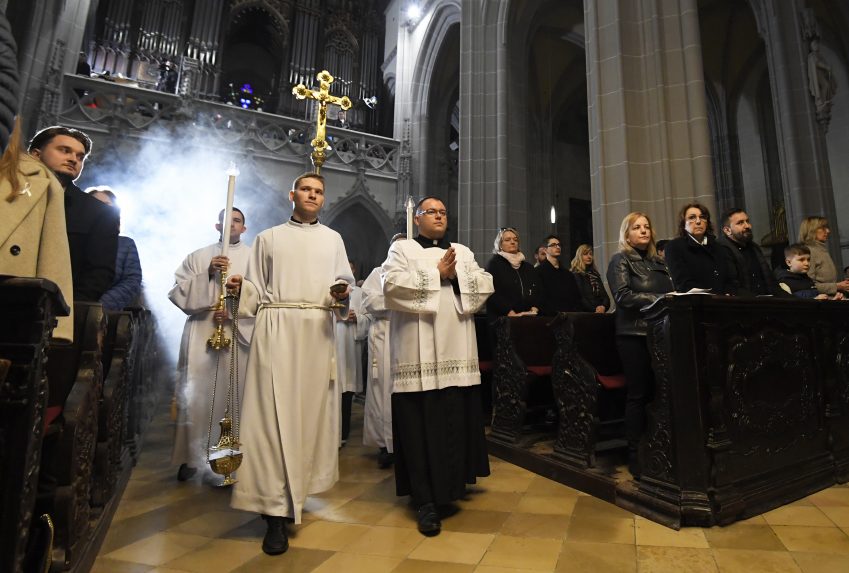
pixel 635 283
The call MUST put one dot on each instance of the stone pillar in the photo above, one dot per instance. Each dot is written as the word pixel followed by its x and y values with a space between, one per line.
pixel 649 138
pixel 805 173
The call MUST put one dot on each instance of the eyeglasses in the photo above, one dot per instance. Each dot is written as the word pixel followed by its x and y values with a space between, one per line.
pixel 432 212
pixel 698 218
pixel 552 245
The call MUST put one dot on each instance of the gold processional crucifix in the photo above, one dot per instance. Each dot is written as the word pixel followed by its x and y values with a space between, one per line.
pixel 323 97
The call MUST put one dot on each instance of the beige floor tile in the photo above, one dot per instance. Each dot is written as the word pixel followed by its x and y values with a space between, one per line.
pixel 579 557
pixel 675 560
pixel 343 490
pixel 295 560
pixel 601 530
pixel 453 546
pixel 475 521
pixel 386 541
pixel 737 536
pixel 546 504
pixel 536 525
pixel 327 535
pixel 103 565
pixel 399 516
pixel 215 523
pixel 418 566
pixel 351 563
pixel 821 562
pixel 383 491
pixel 523 552
pixel 812 539
pixel 651 533
pixel 317 507
pixel 252 530
pixel 366 512
pixel 493 569
pixel 167 570
pixel 838 514
pixel 587 506
pixel 798 515
pixel 830 496
pixel 159 548
pixel 754 520
pixel 544 486
pixel 491 500
pixel 506 482
pixel 754 561
pixel 223 555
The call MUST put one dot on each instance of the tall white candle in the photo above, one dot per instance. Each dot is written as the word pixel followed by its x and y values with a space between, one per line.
pixel 232 173
pixel 410 206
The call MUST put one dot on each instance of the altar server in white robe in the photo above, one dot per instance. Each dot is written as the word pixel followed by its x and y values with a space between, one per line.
pixel 197 286
pixel 377 417
pixel 351 333
pixel 290 414
pixel 433 288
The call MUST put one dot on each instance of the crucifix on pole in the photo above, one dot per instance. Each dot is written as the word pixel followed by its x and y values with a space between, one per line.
pixel 323 97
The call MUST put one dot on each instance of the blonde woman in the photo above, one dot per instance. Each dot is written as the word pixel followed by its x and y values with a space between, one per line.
pixel 813 233
pixel 589 281
pixel 637 277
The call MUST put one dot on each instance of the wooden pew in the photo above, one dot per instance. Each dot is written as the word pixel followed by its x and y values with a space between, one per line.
pixel 524 350
pixel 28 307
pixel 589 387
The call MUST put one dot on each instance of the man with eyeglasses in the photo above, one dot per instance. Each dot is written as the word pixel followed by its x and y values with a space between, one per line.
pixel 557 290
pixel 433 288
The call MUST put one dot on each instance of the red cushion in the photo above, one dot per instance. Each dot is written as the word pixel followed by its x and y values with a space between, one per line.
pixel 51 414
pixel 485 365
pixel 612 381
pixel 539 370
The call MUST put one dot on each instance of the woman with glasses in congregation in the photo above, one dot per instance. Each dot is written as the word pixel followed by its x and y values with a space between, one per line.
pixel 694 259
pixel 556 285
pixel 513 277
pixel 637 277
pixel 593 295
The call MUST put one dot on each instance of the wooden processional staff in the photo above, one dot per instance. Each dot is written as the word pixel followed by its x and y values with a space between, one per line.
pixel 224 457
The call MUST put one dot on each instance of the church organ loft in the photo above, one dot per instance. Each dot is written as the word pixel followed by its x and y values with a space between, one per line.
pixel 247 53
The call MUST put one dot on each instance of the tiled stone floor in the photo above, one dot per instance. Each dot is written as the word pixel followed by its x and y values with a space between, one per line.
pixel 514 521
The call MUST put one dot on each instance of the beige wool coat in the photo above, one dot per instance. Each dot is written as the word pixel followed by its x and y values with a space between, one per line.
pixel 33 239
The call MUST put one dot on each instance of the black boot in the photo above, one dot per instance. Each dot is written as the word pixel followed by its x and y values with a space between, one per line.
pixel 428 520
pixel 275 541
pixel 384 458
pixel 186 472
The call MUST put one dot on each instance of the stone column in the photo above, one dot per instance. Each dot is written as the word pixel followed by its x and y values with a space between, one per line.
pixel 805 173
pixel 649 138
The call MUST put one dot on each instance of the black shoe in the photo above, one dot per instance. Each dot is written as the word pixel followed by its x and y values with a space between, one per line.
pixel 186 472
pixel 275 541
pixel 428 520
pixel 385 459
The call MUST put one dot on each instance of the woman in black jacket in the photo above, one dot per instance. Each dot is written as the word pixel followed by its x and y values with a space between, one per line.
pixel 593 295
pixel 637 277
pixel 694 259
pixel 513 278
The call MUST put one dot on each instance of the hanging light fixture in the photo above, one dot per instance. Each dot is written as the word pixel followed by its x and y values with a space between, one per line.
pixel 553 215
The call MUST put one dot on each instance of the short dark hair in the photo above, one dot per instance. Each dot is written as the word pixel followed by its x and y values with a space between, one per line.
pixel 726 217
pixel 549 237
pixel 661 244
pixel 221 215
pixel 682 218
pixel 46 135
pixel 308 175
pixel 428 198
pixel 795 250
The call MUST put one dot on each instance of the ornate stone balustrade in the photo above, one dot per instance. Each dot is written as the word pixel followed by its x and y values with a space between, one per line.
pixel 126 110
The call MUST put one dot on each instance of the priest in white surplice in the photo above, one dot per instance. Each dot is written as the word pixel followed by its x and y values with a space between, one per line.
pixel 433 288
pixel 377 417
pixel 197 285
pixel 290 415
pixel 351 333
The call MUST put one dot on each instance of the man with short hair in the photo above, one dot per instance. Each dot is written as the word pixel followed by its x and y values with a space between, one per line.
pixel 290 416
pixel 91 225
pixel 197 287
pixel 557 289
pixel 753 274
pixel 540 255
pixel 433 289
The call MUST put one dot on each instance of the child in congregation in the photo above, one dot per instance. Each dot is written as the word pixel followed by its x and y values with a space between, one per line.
pixel 795 278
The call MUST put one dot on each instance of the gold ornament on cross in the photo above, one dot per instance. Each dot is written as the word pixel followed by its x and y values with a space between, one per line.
pixel 323 97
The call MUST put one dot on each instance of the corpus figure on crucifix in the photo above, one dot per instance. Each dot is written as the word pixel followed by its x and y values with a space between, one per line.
pixel 323 97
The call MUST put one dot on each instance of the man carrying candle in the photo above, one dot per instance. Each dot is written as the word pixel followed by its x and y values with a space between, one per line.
pixel 197 286
pixel 432 289
pixel 290 417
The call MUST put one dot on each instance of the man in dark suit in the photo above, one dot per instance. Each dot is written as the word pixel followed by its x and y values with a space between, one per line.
pixel 92 226
pixel 753 273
